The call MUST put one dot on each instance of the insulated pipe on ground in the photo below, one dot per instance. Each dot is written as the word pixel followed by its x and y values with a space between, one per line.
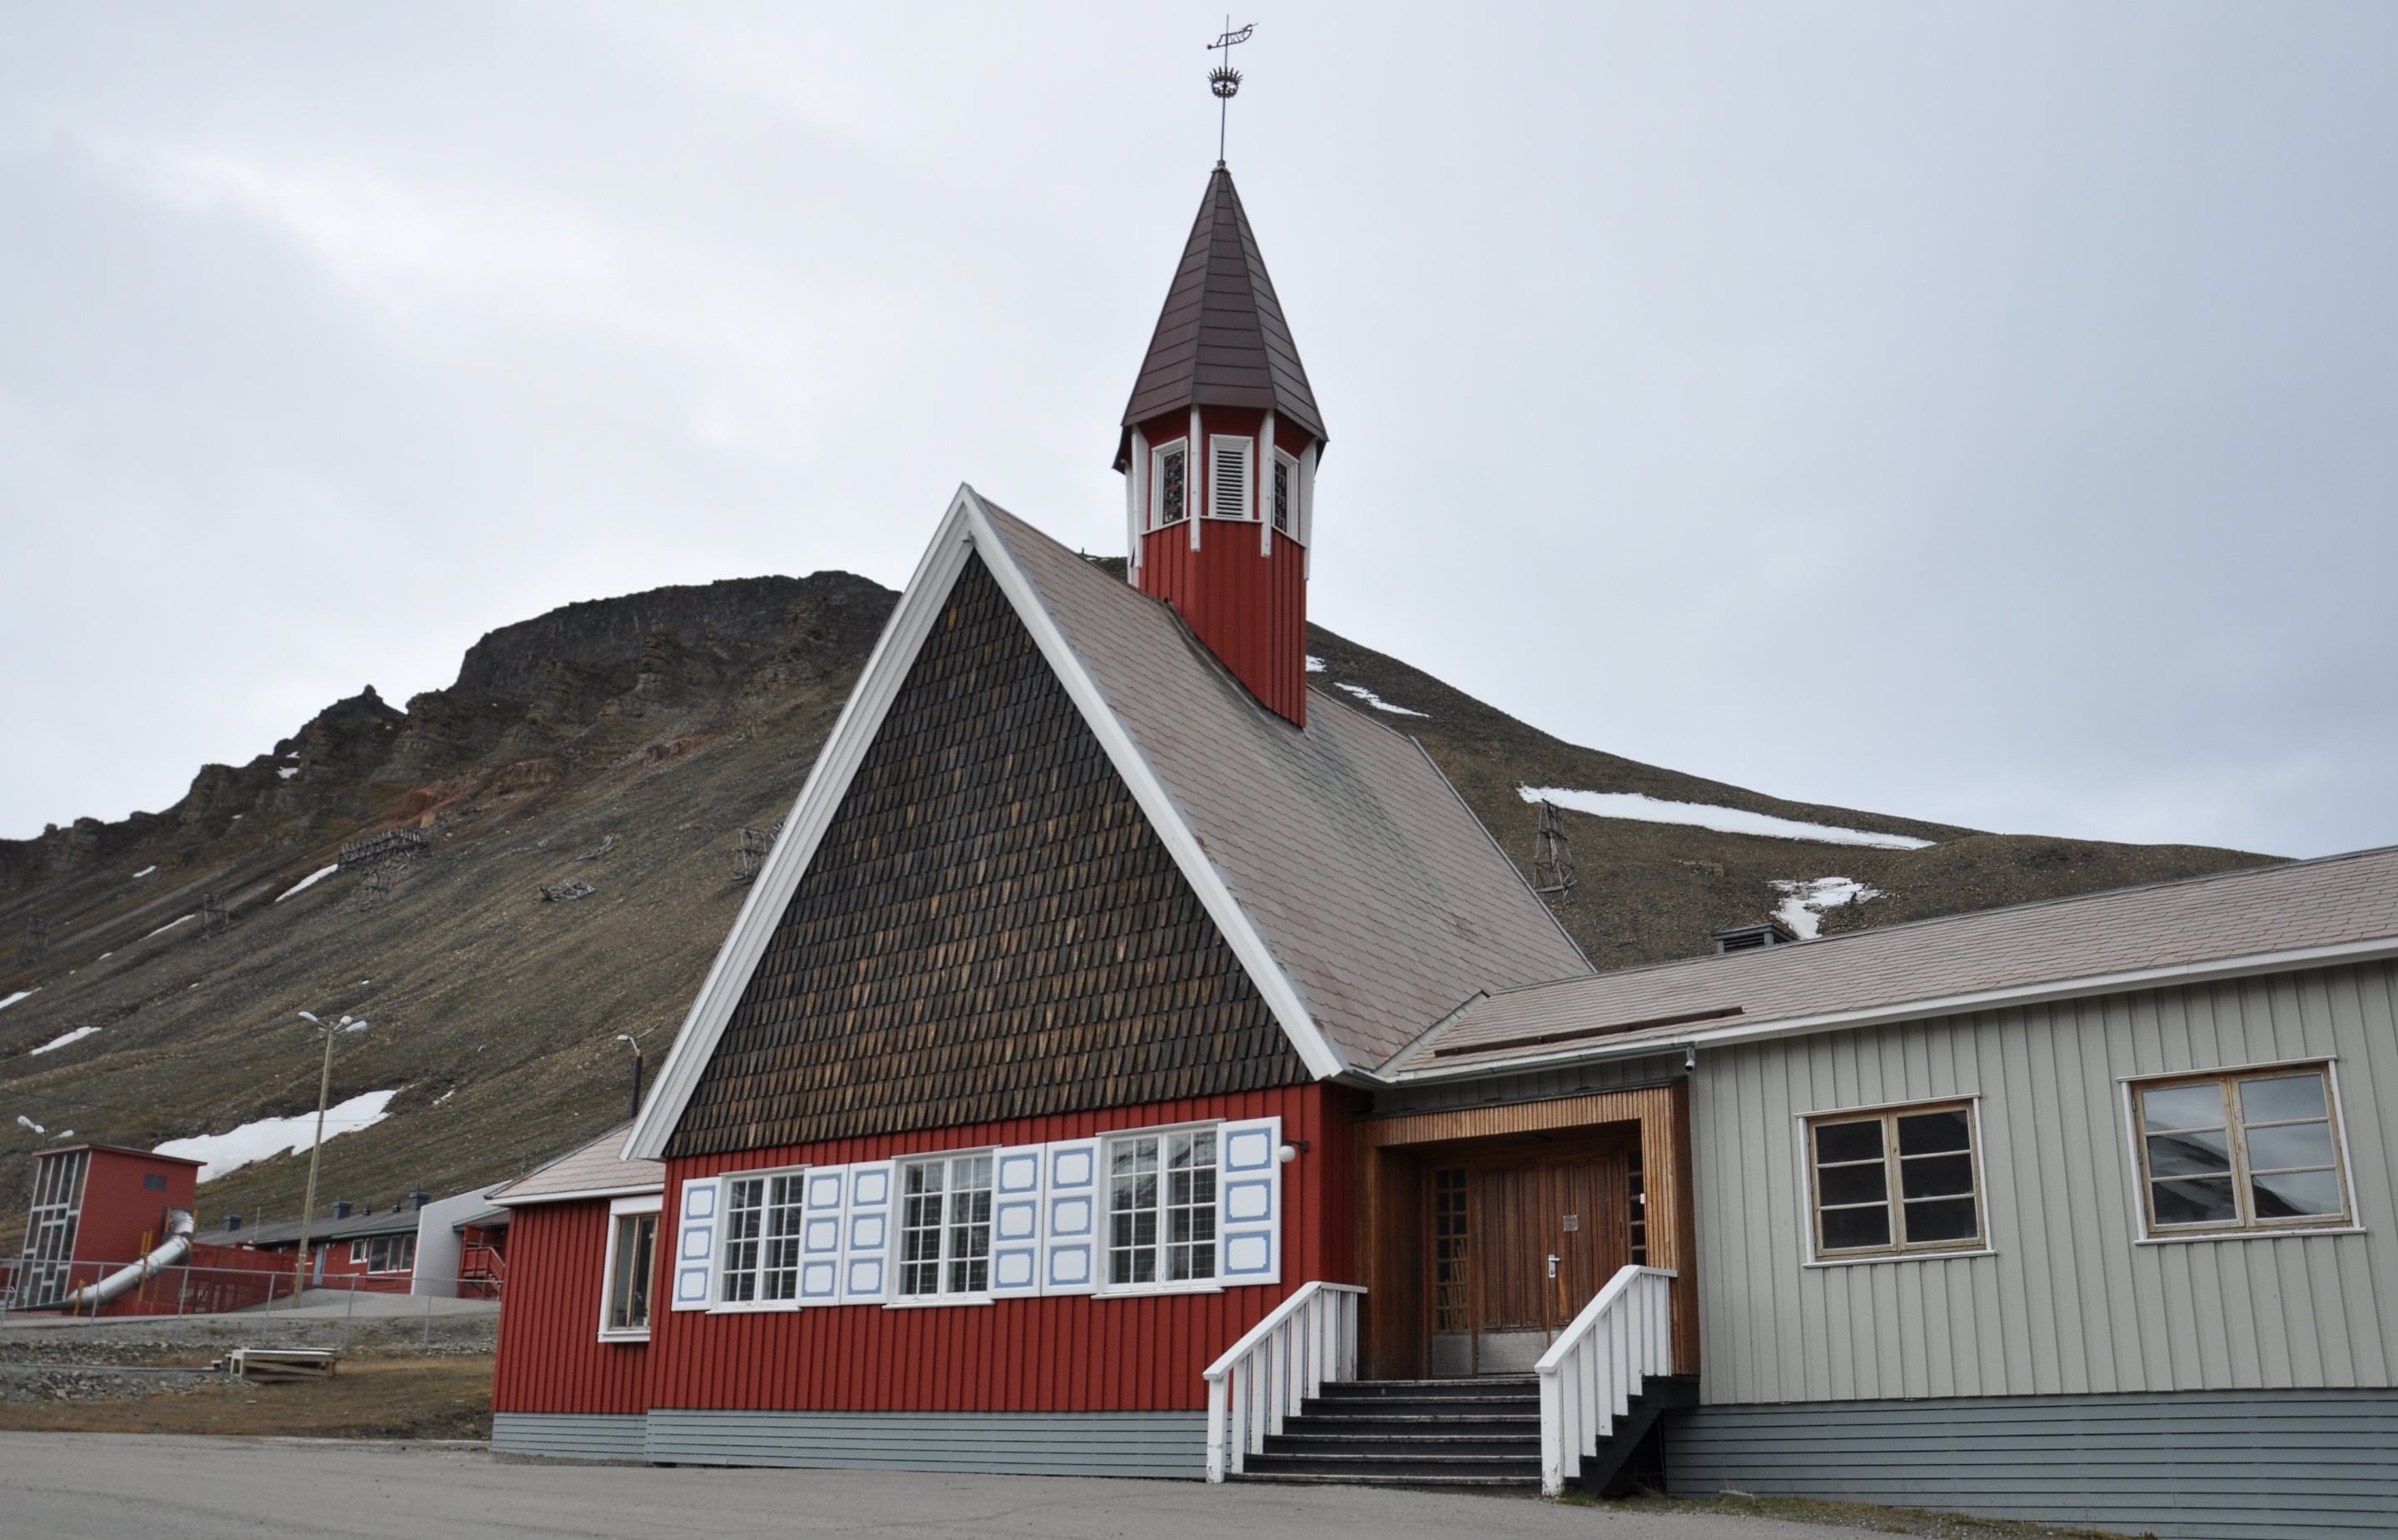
pixel 177 1246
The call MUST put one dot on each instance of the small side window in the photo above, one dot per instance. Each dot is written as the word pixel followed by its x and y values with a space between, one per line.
pixel 632 1259
pixel 1895 1183
pixel 1286 491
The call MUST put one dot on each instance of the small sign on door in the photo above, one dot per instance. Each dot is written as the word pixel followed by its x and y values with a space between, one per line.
pixel 1573 1223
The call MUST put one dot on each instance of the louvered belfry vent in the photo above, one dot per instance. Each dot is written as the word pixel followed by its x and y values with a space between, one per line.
pixel 1227 486
pixel 1751 938
pixel 989 929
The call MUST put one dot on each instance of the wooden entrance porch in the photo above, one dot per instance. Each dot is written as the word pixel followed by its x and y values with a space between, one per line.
pixel 1484 1231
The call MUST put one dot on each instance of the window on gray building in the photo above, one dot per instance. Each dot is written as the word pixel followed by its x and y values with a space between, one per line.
pixel 1896 1182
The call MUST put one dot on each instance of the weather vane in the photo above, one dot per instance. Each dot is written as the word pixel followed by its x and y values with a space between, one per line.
pixel 1224 80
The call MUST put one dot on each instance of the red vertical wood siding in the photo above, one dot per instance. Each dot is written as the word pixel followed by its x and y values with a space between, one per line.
pixel 1249 607
pixel 551 1357
pixel 1071 1353
pixel 119 1213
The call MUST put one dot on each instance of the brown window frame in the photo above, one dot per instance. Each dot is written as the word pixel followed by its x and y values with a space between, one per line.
pixel 2245 1221
pixel 1894 1200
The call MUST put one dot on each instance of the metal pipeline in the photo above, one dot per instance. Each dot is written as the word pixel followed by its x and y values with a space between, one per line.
pixel 91 1296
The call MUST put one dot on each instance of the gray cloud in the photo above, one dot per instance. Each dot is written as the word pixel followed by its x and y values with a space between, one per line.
pixel 1976 414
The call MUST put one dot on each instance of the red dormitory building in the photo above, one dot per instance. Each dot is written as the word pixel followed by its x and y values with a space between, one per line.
pixel 1134 1058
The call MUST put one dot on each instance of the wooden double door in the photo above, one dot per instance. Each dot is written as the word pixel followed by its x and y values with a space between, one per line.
pixel 1520 1242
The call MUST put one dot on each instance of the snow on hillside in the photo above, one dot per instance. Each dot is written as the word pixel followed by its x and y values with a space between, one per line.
pixel 79 1034
pixel 1706 815
pixel 309 881
pixel 15 998
pixel 1801 909
pixel 1378 702
pixel 169 924
pixel 273 1137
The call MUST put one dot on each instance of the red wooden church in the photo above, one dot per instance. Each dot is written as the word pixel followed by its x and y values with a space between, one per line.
pixel 1027 1083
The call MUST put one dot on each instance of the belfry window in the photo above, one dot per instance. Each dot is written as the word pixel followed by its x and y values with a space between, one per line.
pixel 1285 492
pixel 1168 472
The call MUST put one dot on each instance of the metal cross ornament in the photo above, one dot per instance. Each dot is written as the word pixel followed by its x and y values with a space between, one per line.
pixel 1224 80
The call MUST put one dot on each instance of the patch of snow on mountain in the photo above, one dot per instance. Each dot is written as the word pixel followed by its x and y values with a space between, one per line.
pixel 286 772
pixel 1706 815
pixel 79 1034
pixel 15 998
pixel 145 871
pixel 1378 702
pixel 1805 899
pixel 273 1137
pixel 168 926
pixel 319 875
pixel 1315 664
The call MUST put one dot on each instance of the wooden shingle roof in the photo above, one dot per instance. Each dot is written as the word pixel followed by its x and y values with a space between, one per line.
pixel 1222 340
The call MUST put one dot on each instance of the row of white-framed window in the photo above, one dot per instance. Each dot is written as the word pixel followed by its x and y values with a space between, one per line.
pixel 2217 1154
pixel 1184 1207
pixel 1171 492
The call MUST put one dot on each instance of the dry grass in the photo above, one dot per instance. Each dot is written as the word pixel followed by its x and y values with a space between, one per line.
pixel 374 1398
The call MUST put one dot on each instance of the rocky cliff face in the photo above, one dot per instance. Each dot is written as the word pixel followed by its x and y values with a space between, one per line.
pixel 620 746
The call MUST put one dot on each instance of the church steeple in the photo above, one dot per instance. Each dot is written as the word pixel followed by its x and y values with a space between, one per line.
pixel 1219 449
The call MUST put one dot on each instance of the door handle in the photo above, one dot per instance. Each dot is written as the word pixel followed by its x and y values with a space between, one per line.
pixel 1553 1259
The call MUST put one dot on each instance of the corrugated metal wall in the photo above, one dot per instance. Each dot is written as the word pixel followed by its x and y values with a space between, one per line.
pixel 2192 1465
pixel 563 1436
pixel 551 1357
pixel 1045 1355
pixel 2069 1303
pixel 1032 1443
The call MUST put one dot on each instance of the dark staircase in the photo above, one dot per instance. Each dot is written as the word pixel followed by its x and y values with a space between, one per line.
pixel 1478 1434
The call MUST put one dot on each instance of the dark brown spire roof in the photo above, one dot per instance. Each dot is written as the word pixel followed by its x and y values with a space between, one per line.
pixel 1221 341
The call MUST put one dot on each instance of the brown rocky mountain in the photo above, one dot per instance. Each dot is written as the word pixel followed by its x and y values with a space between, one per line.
pixel 622 744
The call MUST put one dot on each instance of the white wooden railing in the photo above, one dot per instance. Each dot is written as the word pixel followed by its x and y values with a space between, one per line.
pixel 1311 1338
pixel 1591 1373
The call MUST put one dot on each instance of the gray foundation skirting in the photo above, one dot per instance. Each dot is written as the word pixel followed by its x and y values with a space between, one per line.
pixel 569 1435
pixel 1169 1444
pixel 2271 1464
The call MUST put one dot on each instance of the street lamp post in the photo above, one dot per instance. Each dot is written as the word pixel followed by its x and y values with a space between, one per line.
pixel 635 1044
pixel 316 1151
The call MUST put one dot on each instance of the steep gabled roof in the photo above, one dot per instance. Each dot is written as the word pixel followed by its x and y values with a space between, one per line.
pixel 1362 898
pixel 1374 886
pixel 2293 914
pixel 1222 340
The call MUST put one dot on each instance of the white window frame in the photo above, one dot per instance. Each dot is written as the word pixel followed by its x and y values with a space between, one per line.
pixel 728 1181
pixel 1105 1203
pixel 358 1252
pixel 2147 1234
pixel 1814 1256
pixel 1244 486
pixel 898 1264
pixel 1159 517
pixel 619 1210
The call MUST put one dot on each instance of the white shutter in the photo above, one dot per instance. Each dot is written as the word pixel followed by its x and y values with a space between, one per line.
pixel 820 1228
pixel 695 1263
pixel 1248 1200
pixel 1228 477
pixel 866 1251
pixel 1070 1241
pixel 1016 1221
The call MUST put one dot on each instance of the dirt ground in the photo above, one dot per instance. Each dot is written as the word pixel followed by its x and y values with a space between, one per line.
pixel 367 1397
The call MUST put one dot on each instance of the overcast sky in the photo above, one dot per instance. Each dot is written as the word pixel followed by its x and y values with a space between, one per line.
pixel 1983 413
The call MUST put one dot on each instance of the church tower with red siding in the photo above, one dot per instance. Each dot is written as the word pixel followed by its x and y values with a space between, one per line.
pixel 1218 452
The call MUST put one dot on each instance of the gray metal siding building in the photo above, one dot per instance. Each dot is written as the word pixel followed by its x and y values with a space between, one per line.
pixel 2245 1384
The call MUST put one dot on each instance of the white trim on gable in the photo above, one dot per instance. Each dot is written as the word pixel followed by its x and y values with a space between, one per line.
pixel 965 527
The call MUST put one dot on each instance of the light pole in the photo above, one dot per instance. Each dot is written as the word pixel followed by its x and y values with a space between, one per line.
pixel 316 1151
pixel 635 1044
pixel 42 1133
